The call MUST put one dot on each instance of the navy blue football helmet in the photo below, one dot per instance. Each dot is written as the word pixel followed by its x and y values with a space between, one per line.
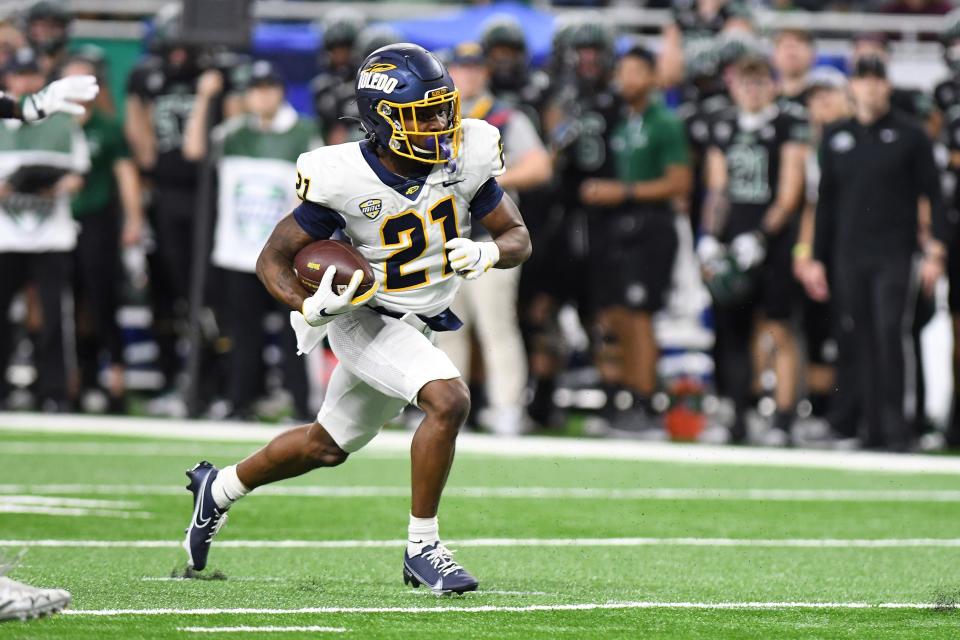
pixel 399 88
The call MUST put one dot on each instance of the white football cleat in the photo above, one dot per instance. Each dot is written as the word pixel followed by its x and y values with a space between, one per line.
pixel 20 601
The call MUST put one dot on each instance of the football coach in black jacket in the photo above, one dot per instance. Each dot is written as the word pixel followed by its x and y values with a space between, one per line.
pixel 875 168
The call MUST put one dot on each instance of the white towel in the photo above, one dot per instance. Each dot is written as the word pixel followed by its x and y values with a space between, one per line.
pixel 307 337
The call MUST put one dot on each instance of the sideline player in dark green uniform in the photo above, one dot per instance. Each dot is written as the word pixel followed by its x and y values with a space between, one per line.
pixel 110 187
pixel 755 172
pixel 633 237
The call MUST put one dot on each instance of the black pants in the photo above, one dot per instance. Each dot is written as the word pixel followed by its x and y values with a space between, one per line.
pixel 49 272
pixel 246 303
pixel 877 372
pixel 96 291
pixel 172 217
pixel 733 354
pixel 775 297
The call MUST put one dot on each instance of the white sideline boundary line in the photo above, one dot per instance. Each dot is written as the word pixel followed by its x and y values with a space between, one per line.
pixel 398 443
pixel 586 606
pixel 247 629
pixel 760 495
pixel 803 543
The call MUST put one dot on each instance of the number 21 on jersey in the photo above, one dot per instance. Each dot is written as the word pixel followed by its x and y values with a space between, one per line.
pixel 408 232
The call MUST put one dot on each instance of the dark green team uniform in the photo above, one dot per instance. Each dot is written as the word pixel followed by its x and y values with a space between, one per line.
pixel 633 247
pixel 107 144
pixel 645 145
pixel 97 257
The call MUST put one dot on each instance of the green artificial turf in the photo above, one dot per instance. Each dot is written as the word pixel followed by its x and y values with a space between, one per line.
pixel 268 577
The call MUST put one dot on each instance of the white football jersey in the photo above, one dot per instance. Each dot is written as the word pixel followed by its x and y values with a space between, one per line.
pixel 400 226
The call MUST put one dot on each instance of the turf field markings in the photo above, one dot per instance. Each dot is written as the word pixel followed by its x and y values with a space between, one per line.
pixel 758 495
pixel 72 512
pixel 398 443
pixel 233 579
pixel 485 592
pixel 246 629
pixel 28 448
pixel 67 502
pixel 809 543
pixel 585 606
pixel 70 507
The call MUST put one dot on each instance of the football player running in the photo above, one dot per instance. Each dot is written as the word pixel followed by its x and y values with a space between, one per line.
pixel 406 198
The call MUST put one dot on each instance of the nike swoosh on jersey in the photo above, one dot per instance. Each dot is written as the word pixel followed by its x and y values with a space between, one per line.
pixel 450 183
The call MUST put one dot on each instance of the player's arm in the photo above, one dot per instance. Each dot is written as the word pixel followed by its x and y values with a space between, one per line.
pixel 715 202
pixel 128 183
pixel 509 248
pixel 531 165
pixel 676 182
pixel 790 189
pixel 196 131
pixel 138 127
pixel 935 249
pixel 670 62
pixel 60 96
pixel 509 233
pixel 715 207
pixel 275 263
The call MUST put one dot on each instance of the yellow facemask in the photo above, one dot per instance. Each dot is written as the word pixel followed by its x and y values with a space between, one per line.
pixel 437 147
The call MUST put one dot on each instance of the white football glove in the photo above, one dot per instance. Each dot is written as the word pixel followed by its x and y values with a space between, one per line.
pixel 709 249
pixel 470 259
pixel 60 96
pixel 325 305
pixel 749 250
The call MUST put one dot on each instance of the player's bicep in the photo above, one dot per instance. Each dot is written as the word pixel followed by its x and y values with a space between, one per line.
pixel 317 221
pixel 793 158
pixel 287 238
pixel 502 218
pixel 716 169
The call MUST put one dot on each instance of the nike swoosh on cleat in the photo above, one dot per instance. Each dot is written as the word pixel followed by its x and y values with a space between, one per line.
pixel 438 586
pixel 203 491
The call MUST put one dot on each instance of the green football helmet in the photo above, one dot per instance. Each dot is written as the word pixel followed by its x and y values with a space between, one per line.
pixel 503 30
pixel 728 284
pixel 950 39
pixel 341 27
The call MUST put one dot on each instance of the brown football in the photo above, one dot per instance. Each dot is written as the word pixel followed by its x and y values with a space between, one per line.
pixel 312 261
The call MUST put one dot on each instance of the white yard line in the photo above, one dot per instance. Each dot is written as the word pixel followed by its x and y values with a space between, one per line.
pixel 66 502
pixel 807 543
pixel 587 606
pixel 760 495
pixel 398 443
pixel 246 629
pixel 118 449
pixel 73 512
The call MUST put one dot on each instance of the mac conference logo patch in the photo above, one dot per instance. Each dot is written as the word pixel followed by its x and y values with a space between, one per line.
pixel 371 208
